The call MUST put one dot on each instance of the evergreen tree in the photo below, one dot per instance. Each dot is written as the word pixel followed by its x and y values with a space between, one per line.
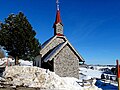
pixel 18 37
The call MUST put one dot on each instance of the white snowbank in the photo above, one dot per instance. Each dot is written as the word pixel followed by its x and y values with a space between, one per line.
pixel 25 63
pixel 4 61
pixel 42 78
pixel 9 61
pixel 34 77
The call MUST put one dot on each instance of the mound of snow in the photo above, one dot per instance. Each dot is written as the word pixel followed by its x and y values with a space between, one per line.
pixel 10 62
pixel 34 77
pixel 4 61
pixel 25 63
pixel 42 78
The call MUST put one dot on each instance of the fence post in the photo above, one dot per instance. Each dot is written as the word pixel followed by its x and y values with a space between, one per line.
pixel 118 74
pixel 83 82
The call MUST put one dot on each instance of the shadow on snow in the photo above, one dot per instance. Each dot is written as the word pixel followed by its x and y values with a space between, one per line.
pixel 105 86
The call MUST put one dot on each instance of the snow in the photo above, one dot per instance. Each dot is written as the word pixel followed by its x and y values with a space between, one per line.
pixel 53 52
pixel 35 77
pixel 30 76
pixel 25 63
pixel 89 73
pixel 106 86
pixel 44 44
pixel 3 62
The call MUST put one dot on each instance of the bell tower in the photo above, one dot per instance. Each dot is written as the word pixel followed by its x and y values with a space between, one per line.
pixel 58 26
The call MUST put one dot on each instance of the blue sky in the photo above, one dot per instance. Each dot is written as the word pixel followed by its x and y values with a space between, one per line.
pixel 92 26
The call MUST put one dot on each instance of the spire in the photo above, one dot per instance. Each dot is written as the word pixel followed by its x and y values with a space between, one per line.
pixel 58 19
pixel 58 27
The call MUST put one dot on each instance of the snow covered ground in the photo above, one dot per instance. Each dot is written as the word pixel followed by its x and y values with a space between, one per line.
pixel 27 75
pixel 87 73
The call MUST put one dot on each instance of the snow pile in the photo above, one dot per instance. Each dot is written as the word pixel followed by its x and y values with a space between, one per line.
pixel 25 63
pixel 10 62
pixel 34 77
pixel 4 61
pixel 42 78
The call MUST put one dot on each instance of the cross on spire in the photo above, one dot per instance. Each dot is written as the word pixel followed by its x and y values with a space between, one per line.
pixel 57 3
pixel 58 19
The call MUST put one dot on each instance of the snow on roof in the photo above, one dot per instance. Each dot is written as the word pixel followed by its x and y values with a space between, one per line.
pixel 45 43
pixel 66 40
pixel 49 57
pixel 50 40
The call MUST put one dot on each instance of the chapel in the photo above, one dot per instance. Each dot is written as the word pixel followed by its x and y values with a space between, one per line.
pixel 57 53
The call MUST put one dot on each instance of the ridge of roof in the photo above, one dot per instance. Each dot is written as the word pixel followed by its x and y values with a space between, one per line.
pixel 46 42
pixel 50 40
pixel 58 49
pixel 74 49
pixel 66 42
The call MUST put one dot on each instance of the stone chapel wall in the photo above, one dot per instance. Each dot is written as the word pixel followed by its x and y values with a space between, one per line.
pixel 66 63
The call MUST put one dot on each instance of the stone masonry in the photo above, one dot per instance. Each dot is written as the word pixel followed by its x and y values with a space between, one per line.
pixel 52 44
pixel 66 63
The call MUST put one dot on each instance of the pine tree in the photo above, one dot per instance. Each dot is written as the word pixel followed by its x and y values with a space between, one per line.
pixel 18 37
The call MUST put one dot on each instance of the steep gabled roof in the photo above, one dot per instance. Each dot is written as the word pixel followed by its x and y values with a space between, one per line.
pixel 80 57
pixel 46 42
pixel 57 49
pixel 54 52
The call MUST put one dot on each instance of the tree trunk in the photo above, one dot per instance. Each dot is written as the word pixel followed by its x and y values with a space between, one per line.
pixel 16 60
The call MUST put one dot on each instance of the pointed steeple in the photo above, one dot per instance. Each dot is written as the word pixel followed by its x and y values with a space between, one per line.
pixel 58 26
pixel 58 19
